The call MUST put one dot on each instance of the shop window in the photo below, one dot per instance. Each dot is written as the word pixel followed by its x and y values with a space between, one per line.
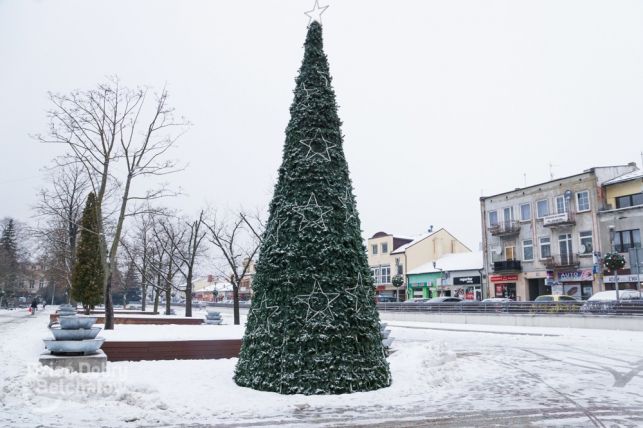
pixel 527 250
pixel 582 201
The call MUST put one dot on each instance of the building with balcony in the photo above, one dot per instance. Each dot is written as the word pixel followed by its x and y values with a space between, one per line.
pixel 390 255
pixel 546 234
pixel 620 224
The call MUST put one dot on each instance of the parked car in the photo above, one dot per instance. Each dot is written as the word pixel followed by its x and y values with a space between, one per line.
pixel 416 301
pixel 444 300
pixel 385 299
pixel 605 302
pixel 497 300
pixel 555 298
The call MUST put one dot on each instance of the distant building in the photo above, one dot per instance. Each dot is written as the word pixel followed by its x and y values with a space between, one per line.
pixel 390 255
pixel 546 234
pixel 452 275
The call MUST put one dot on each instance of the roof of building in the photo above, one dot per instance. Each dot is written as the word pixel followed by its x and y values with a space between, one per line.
pixel 452 263
pixel 587 171
pixel 625 177
pixel 415 240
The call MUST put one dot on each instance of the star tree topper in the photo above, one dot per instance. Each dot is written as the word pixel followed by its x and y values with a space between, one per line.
pixel 315 13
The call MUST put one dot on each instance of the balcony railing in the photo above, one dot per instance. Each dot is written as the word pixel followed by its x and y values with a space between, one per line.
pixel 507 266
pixel 560 219
pixel 506 229
pixel 562 261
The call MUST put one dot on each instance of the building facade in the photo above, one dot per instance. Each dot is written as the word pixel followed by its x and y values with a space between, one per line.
pixel 452 275
pixel 621 221
pixel 390 255
pixel 546 234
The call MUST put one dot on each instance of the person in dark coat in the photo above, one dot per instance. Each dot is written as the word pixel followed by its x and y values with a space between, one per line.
pixel 34 306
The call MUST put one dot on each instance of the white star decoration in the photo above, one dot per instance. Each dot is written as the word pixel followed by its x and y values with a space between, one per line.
pixel 312 207
pixel 315 13
pixel 326 312
pixel 351 291
pixel 264 312
pixel 347 204
pixel 272 237
pixel 315 147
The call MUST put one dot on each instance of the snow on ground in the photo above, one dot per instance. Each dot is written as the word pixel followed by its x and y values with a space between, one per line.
pixel 443 374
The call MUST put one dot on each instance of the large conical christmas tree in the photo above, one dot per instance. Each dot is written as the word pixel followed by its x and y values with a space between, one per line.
pixel 88 274
pixel 313 327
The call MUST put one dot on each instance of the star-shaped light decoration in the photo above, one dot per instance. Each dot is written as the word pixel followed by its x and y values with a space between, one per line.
pixel 272 236
pixel 315 13
pixel 354 290
pixel 319 303
pixel 317 146
pixel 348 204
pixel 312 214
pixel 264 313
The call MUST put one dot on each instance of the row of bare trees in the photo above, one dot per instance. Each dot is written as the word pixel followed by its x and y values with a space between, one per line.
pixel 118 143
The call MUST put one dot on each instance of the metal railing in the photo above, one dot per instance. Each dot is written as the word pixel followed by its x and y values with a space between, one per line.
pixel 561 260
pixel 506 228
pixel 624 307
pixel 507 266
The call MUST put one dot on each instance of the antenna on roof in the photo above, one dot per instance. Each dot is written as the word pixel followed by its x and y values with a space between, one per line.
pixel 551 170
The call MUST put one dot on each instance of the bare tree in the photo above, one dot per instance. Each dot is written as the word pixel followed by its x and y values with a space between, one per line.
pixel 107 134
pixel 59 210
pixel 237 241
pixel 185 250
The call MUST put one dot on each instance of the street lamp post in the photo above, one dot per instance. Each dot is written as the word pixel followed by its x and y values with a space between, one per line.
pixel 614 271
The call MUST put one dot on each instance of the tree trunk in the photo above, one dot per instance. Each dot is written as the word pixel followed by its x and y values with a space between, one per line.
pixel 168 300
pixel 188 294
pixel 109 307
pixel 157 293
pixel 235 294
pixel 143 297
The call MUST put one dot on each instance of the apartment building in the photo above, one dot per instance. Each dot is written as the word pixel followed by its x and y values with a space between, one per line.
pixel 546 235
pixel 390 255
pixel 621 221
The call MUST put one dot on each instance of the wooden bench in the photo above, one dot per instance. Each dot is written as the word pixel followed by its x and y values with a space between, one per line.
pixel 172 350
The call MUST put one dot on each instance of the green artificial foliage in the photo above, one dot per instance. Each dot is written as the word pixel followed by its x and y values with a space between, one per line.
pixel 313 327
pixel 88 275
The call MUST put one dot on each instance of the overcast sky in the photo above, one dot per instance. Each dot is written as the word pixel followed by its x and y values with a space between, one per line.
pixel 442 100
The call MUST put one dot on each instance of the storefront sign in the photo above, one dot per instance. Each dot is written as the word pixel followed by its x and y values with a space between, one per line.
pixel 555 219
pixel 500 278
pixel 623 278
pixel 576 276
pixel 466 280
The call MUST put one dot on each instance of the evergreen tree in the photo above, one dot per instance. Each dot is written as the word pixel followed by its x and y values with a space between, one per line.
pixel 313 327
pixel 88 275
pixel 9 265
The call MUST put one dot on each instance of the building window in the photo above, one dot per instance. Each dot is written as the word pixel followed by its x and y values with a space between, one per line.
pixel 493 218
pixel 542 208
pixel 582 201
pixel 626 239
pixel 561 205
pixel 510 253
pixel 374 249
pixel 41 283
pixel 525 212
pixel 32 283
pixel 384 248
pixel 382 274
pixel 527 249
pixel 545 247
pixel 508 215
pixel 629 200
pixel 400 268
pixel 586 246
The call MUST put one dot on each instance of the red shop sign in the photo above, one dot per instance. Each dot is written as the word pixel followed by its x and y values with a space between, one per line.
pixel 499 278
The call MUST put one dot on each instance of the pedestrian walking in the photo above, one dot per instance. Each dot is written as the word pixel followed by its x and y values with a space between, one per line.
pixel 34 306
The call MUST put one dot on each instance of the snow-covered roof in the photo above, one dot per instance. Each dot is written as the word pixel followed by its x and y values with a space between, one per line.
pixel 452 263
pixel 415 241
pixel 625 177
